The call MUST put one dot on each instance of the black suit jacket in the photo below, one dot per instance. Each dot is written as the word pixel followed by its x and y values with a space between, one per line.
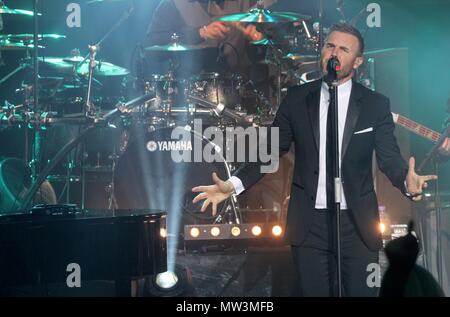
pixel 298 121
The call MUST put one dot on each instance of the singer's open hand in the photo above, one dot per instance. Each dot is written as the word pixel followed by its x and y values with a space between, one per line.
pixel 214 194
pixel 416 183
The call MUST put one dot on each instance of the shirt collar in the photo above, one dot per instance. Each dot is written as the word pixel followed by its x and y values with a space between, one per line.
pixel 344 88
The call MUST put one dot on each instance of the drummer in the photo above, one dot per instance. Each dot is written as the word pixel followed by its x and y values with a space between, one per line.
pixel 194 22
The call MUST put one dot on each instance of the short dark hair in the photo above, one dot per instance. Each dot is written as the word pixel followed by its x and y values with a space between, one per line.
pixel 349 29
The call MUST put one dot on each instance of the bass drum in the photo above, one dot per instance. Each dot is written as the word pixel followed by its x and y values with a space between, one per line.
pixel 148 177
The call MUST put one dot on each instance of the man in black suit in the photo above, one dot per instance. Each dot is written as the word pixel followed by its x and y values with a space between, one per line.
pixel 365 126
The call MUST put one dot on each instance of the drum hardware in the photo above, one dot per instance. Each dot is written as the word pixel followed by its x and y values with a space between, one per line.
pixel 219 109
pixel 23 64
pixel 273 56
pixel 38 118
pixel 265 19
pixel 92 66
pixel 112 202
pixel 89 106
pixel 217 88
pixel 302 40
pixel 301 68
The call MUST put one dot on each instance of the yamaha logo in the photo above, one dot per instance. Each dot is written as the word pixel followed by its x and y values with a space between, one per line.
pixel 169 146
pixel 152 146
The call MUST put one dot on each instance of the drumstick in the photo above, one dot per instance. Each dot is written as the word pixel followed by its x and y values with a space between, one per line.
pixel 239 26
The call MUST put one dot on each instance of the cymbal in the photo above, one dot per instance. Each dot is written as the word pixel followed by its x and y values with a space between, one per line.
pixel 263 16
pixel 28 37
pixel 73 59
pixel 66 65
pixel 8 45
pixel 56 62
pixel 173 47
pixel 103 69
pixel 5 10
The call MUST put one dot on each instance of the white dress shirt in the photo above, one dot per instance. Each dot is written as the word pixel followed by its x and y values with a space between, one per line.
pixel 344 91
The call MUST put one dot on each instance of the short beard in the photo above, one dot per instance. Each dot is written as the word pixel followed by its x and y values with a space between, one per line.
pixel 340 76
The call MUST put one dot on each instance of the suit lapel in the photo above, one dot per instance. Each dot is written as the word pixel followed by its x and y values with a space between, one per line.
pixel 313 104
pixel 354 108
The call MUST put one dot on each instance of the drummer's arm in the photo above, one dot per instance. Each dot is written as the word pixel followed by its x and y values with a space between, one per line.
pixel 167 20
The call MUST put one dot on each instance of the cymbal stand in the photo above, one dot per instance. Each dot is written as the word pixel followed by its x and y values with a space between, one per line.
pixel 2 62
pixel 112 203
pixel 90 111
pixel 274 55
pixel 124 17
pixel 321 35
pixel 34 162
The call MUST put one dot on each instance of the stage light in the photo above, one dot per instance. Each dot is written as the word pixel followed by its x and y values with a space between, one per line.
pixel 215 231
pixel 256 230
pixel 194 232
pixel 277 230
pixel 163 233
pixel 382 228
pixel 235 231
pixel 166 280
pixel 170 284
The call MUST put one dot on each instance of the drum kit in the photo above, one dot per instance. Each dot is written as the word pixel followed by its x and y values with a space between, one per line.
pixel 79 93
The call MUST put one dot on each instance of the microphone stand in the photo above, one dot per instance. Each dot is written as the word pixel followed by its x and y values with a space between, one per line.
pixel 433 155
pixel 336 207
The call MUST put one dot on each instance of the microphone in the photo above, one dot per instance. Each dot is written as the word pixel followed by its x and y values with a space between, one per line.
pixel 333 66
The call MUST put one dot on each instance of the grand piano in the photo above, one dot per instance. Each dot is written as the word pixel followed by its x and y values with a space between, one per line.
pixel 46 244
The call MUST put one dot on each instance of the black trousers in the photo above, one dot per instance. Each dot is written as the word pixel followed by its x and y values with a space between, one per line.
pixel 316 262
